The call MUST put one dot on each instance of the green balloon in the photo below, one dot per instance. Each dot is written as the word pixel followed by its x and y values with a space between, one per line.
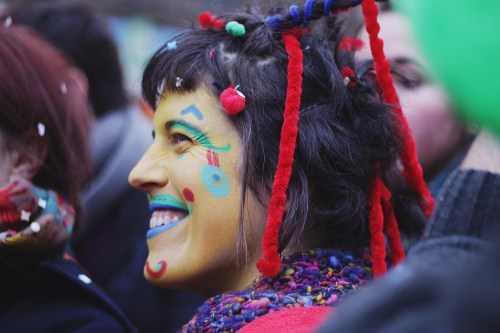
pixel 461 39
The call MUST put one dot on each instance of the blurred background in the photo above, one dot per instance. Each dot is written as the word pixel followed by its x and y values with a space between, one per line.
pixel 141 26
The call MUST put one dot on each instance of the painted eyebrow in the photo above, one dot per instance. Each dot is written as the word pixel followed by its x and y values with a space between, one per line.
pixel 196 133
pixel 192 129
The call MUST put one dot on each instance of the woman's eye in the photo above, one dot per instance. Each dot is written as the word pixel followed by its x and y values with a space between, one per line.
pixel 180 139
pixel 407 76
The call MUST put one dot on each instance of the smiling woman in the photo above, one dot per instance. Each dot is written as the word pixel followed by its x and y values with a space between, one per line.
pixel 190 174
pixel 240 187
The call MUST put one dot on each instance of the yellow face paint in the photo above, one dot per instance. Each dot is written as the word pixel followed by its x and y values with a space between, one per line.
pixel 190 173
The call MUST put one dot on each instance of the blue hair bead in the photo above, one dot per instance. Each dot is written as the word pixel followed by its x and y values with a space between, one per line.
pixel 171 45
pixel 274 21
pixel 308 11
pixel 294 11
pixel 328 7
pixel 356 2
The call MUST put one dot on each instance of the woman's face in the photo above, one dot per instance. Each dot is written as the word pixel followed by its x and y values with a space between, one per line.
pixel 190 174
pixel 436 130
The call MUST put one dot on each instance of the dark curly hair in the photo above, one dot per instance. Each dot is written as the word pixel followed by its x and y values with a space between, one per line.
pixel 344 131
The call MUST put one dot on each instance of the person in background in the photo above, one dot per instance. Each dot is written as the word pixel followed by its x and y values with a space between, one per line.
pixel 441 136
pixel 110 242
pixel 44 126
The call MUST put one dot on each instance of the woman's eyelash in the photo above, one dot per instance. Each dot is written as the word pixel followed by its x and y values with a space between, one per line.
pixel 178 138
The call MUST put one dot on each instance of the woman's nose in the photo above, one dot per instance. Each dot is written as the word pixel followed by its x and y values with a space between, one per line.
pixel 149 173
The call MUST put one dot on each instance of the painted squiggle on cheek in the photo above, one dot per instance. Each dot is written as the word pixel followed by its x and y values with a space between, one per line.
pixel 158 271
pixel 213 178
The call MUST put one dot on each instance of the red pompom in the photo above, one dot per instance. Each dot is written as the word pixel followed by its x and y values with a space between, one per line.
pixel 218 24
pixel 232 101
pixel 205 19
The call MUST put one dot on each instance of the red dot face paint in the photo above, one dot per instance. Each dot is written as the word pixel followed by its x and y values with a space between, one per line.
pixel 188 194
pixel 158 271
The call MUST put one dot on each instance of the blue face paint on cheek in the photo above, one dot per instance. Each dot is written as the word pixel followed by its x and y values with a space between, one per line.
pixel 194 110
pixel 215 180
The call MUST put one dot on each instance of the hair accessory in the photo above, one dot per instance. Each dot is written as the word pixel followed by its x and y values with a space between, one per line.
pixel 235 28
pixel 232 100
pixel 275 21
pixel 41 129
pixel 172 45
pixel 207 21
pixel 270 264
pixel 328 7
pixel 8 22
pixel 295 13
pixel 212 52
pixel 178 82
pixel 349 77
pixel 348 44
pixel 308 11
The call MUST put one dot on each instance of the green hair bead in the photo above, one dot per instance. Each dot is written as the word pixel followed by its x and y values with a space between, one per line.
pixel 235 28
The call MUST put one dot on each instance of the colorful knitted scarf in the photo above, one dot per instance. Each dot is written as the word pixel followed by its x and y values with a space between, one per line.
pixel 312 278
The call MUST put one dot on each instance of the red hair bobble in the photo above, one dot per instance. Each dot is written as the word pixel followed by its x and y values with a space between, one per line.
pixel 207 21
pixel 232 100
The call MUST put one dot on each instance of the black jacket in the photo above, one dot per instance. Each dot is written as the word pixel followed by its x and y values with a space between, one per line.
pixel 53 295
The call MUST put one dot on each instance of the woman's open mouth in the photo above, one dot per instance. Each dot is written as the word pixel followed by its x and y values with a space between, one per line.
pixel 167 212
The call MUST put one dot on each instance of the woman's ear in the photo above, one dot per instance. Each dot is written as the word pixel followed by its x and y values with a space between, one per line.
pixel 28 162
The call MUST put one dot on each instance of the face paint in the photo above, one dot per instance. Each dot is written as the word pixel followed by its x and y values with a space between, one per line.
pixel 214 178
pixel 193 110
pixel 200 247
pixel 168 212
pixel 199 136
pixel 158 271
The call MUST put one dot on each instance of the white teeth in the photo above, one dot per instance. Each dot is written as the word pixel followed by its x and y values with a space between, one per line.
pixel 157 221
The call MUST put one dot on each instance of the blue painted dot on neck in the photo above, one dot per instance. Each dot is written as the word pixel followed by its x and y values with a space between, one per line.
pixel 194 110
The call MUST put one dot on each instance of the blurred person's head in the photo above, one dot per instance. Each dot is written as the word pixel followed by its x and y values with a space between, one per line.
pixel 439 134
pixel 83 35
pixel 44 116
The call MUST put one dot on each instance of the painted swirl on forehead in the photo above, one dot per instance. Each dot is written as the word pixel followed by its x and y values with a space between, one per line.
pixel 199 136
